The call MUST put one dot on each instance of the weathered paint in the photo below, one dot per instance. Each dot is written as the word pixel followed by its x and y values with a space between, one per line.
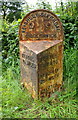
pixel 41 53
pixel 41 25
pixel 41 69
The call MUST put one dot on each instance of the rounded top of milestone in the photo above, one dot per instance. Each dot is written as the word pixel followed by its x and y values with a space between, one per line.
pixel 41 25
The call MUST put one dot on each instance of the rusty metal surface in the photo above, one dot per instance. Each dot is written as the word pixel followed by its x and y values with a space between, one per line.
pixel 41 70
pixel 39 46
pixel 50 70
pixel 28 63
pixel 41 53
pixel 40 25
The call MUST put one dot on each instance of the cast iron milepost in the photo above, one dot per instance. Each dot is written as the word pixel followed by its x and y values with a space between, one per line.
pixel 41 52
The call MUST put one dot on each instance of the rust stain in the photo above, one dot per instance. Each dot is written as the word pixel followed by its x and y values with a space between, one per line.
pixel 40 25
pixel 41 53
pixel 41 68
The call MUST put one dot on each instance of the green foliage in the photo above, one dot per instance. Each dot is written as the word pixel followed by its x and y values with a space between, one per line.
pixel 11 10
pixel 43 4
pixel 69 18
pixel 18 103
pixel 10 43
pixel 70 31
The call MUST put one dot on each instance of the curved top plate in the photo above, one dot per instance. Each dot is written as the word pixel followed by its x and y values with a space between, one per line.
pixel 40 25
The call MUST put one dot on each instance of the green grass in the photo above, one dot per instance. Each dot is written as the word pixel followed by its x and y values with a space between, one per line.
pixel 18 103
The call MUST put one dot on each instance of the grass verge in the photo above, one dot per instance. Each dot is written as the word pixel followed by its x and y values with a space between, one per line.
pixel 18 103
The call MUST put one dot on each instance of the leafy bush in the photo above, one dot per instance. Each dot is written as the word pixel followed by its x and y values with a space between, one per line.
pixel 11 10
pixel 70 31
pixel 10 43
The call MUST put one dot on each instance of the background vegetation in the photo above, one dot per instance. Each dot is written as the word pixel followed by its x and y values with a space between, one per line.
pixel 16 101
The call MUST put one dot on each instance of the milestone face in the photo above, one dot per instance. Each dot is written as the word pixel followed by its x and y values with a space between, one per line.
pixel 41 25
